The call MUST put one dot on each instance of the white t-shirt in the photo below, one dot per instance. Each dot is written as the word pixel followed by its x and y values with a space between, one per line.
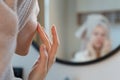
pixel 83 56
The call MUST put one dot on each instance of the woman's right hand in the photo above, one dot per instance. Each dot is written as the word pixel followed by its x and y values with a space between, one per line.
pixel 47 54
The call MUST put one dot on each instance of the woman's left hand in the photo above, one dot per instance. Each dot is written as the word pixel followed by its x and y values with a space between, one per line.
pixel 47 54
pixel 106 47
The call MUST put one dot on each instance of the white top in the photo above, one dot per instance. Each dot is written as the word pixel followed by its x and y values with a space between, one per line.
pixel 83 56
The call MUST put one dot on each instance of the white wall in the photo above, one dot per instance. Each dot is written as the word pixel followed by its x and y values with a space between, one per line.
pixel 58 17
pixel 97 5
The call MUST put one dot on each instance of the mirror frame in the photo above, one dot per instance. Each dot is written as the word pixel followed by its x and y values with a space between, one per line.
pixel 109 55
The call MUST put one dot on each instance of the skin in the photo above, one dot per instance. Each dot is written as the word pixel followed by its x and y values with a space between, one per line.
pixel 98 38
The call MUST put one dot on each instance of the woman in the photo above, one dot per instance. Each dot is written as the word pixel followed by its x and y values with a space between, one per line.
pixel 95 34
pixel 18 24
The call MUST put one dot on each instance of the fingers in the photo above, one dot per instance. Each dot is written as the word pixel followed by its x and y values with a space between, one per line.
pixel 40 69
pixel 54 46
pixel 12 4
pixel 51 47
pixel 55 41
pixel 55 36
pixel 46 35
pixel 43 60
pixel 43 37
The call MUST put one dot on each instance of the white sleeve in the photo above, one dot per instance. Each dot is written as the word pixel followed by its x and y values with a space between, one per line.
pixel 8 35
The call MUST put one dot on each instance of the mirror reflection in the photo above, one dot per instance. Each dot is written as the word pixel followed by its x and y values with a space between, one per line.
pixel 94 35
pixel 86 28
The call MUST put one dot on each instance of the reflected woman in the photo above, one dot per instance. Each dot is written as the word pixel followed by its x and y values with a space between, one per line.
pixel 96 39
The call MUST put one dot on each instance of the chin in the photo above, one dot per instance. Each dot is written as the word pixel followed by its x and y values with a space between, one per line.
pixel 98 46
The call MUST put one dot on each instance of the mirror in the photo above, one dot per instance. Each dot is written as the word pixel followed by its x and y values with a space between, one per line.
pixel 88 30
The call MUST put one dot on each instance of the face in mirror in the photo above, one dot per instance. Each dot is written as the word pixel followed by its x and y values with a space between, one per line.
pixel 94 35
pixel 87 32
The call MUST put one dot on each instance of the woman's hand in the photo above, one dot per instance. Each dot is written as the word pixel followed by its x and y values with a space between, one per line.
pixel 106 47
pixel 47 54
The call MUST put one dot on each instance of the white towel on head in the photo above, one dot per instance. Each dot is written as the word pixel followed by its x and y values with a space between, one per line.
pixel 85 31
pixel 91 22
pixel 14 20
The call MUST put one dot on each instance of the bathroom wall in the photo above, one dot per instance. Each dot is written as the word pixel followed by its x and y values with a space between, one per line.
pixel 58 16
pixel 97 5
